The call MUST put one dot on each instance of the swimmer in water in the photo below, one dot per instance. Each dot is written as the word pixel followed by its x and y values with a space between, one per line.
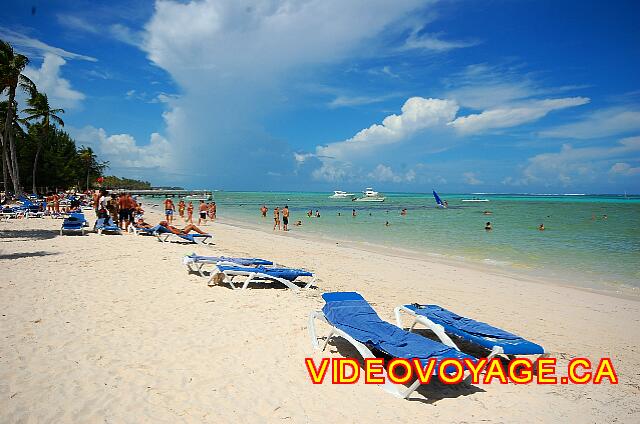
pixel 386 224
pixel 488 226
pixel 541 227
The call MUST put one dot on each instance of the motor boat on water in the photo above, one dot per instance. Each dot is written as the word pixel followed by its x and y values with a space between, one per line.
pixel 337 194
pixel 369 195
pixel 198 197
pixel 475 199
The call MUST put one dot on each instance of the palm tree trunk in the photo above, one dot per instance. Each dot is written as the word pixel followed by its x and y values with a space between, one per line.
pixel 8 131
pixel 5 169
pixel 35 167
pixel 88 170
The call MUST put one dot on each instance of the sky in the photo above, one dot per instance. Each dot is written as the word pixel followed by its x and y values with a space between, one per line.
pixel 318 95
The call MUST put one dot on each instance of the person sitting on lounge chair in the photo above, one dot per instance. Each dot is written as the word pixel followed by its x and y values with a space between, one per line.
pixel 185 230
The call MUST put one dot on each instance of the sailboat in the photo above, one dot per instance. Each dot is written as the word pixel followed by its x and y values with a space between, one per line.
pixel 439 203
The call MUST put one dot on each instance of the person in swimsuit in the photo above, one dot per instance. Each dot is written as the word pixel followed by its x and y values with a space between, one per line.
pixel 123 211
pixel 276 218
pixel 317 213
pixel 353 213
pixel 181 206
pixel 169 207
pixel 202 210
pixel 264 211
pixel 184 231
pixel 285 218
pixel 214 210
pixel 488 226
pixel 190 212
pixel 403 212
pixel 541 227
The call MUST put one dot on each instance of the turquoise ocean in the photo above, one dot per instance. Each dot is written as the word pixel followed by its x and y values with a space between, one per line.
pixel 579 246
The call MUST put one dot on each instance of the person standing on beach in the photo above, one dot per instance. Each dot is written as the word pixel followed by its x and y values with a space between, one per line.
pixel 181 206
pixel 202 211
pixel 212 211
pixel 276 218
pixel 169 208
pixel 285 218
pixel 264 211
pixel 123 212
pixel 190 213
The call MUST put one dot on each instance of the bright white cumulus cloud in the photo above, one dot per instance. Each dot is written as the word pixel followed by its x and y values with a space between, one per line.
pixel 122 150
pixel 417 114
pixel 234 63
pixel 49 80
pixel 511 116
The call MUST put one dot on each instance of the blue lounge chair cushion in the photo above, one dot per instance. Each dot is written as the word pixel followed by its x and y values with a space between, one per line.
pixel 478 332
pixel 100 224
pixel 192 237
pixel 284 273
pixel 349 312
pixel 239 261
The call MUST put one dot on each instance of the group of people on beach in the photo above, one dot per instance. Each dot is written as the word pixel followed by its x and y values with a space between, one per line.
pixel 121 209
pixel 205 211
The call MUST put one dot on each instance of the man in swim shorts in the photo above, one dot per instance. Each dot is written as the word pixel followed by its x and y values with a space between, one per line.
pixel 169 207
pixel 202 209
pixel 285 218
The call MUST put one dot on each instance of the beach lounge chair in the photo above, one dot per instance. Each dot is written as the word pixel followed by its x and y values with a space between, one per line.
pixel 103 226
pixel 442 321
pixel 352 318
pixel 195 263
pixel 261 274
pixel 196 238
pixel 10 213
pixel 75 223
pixel 141 231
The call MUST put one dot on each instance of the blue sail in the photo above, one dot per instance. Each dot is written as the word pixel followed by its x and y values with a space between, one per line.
pixel 438 201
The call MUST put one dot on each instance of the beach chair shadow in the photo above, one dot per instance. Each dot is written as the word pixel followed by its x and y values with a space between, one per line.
pixel 28 234
pixel 433 392
pixel 20 255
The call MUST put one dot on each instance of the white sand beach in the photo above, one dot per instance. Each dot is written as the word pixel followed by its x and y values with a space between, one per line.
pixel 113 329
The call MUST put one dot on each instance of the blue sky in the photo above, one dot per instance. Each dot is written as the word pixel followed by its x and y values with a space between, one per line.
pixel 461 96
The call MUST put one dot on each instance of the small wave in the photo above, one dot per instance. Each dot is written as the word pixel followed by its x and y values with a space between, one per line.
pixel 495 262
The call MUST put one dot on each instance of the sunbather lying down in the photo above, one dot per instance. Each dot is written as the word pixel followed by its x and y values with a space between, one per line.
pixel 185 230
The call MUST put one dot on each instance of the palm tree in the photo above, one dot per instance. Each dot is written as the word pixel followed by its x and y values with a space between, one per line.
pixel 39 109
pixel 90 160
pixel 5 158
pixel 11 66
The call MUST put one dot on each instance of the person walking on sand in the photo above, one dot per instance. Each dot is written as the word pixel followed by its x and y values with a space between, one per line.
pixel 169 208
pixel 285 218
pixel 190 213
pixel 181 206
pixel 202 209
pixel 276 218
pixel 264 210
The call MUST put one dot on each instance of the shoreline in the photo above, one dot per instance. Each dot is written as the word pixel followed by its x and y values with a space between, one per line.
pixel 622 291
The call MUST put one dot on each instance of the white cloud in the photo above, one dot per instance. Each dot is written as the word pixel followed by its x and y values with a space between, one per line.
pixel 470 178
pixel 234 64
pixel 433 42
pixel 623 168
pixel 571 165
pixel 346 101
pixel 125 34
pixel 48 80
pixel 37 48
pixel 122 151
pixel 384 173
pixel 601 123
pixel 512 116
pixel 417 114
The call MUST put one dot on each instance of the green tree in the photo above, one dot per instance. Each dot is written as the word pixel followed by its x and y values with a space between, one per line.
pixel 11 66
pixel 91 163
pixel 40 110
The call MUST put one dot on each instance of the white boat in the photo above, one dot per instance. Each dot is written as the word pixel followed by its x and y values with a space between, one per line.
pixel 370 196
pixel 197 198
pixel 475 199
pixel 337 194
